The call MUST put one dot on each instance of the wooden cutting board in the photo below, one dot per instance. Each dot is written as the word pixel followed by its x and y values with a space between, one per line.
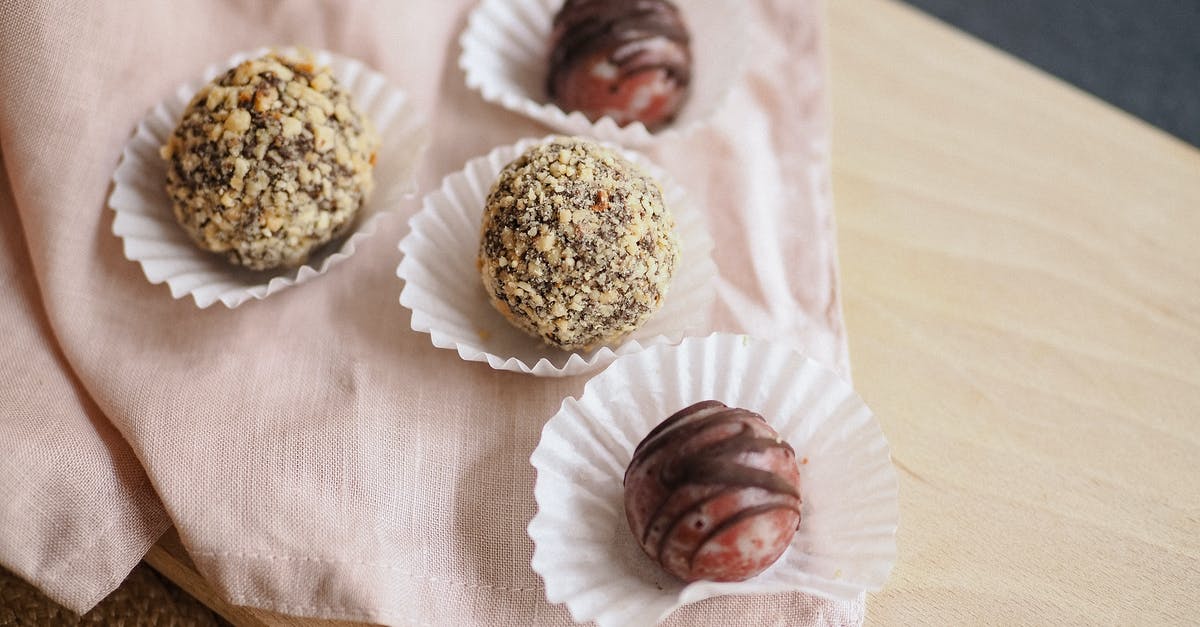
pixel 1021 275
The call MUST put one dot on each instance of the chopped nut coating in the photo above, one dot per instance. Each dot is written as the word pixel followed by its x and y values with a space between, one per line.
pixel 577 246
pixel 269 162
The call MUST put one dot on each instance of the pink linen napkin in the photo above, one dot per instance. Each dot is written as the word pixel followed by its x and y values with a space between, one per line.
pixel 76 510
pixel 317 456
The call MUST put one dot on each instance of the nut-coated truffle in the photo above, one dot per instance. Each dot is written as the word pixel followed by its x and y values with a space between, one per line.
pixel 269 162
pixel 713 493
pixel 577 246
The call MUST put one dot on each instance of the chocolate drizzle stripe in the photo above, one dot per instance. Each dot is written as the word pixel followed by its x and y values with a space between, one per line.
pixel 675 418
pixel 690 429
pixel 707 471
pixel 743 443
pixel 678 517
pixel 733 520
pixel 644 61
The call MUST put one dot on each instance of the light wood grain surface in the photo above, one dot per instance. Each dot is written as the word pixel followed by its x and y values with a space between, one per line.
pixel 1021 274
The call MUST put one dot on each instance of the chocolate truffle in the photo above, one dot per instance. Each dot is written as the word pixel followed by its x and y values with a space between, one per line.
pixel 713 493
pixel 577 246
pixel 269 162
pixel 627 59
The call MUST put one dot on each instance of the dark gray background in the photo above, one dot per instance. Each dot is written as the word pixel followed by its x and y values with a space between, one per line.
pixel 1140 55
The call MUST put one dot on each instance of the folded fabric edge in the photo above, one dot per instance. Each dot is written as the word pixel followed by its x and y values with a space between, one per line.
pixel 80 579
pixel 264 580
pixel 77 510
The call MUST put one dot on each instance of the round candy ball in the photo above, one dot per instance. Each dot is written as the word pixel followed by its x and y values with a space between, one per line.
pixel 577 246
pixel 627 59
pixel 269 162
pixel 713 494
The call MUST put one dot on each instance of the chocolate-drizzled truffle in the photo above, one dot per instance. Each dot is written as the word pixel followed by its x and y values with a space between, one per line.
pixel 577 246
pixel 713 493
pixel 269 162
pixel 628 59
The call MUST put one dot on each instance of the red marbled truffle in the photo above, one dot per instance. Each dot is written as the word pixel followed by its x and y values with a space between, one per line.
pixel 627 59
pixel 713 493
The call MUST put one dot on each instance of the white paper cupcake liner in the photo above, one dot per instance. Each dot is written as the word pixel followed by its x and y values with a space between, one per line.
pixel 505 49
pixel 145 222
pixel 584 550
pixel 443 289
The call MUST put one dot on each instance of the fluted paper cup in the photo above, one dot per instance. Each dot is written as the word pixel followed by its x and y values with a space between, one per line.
pixel 583 549
pixel 505 51
pixel 442 285
pixel 146 225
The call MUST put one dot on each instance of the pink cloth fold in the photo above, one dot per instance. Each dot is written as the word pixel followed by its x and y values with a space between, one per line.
pixel 77 512
pixel 317 456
